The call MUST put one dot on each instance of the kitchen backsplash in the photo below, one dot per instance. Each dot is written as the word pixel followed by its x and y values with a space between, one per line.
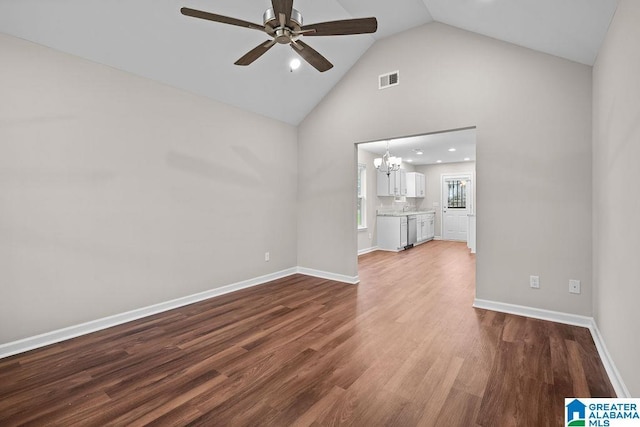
pixel 389 204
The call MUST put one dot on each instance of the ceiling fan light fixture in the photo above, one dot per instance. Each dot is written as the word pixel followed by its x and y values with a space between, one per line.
pixel 294 64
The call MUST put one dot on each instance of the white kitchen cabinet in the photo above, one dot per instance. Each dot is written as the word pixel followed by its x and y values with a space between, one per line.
pixel 422 230
pixel 394 184
pixel 426 227
pixel 431 226
pixel 401 183
pixel 415 184
pixel 392 233
pixel 384 183
pixel 404 224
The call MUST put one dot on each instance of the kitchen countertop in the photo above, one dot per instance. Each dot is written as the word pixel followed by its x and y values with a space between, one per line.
pixel 399 213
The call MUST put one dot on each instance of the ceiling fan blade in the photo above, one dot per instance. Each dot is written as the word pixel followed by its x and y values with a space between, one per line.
pixel 307 53
pixel 219 18
pixel 283 6
pixel 255 53
pixel 344 27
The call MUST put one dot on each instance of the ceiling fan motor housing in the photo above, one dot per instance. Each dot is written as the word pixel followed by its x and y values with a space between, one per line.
pixel 283 34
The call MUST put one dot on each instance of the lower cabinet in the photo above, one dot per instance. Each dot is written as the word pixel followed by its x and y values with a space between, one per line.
pixel 422 228
pixel 392 233
pixel 431 226
pixel 426 227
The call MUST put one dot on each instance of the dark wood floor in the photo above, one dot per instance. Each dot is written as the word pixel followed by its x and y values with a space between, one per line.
pixel 403 348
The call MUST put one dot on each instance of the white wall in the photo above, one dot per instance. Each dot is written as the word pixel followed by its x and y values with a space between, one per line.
pixel 533 118
pixel 117 192
pixel 616 149
pixel 433 174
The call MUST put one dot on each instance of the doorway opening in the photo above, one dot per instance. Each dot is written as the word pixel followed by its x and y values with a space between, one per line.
pixel 428 179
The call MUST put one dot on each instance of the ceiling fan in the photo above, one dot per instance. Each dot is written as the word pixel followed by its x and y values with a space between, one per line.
pixel 284 25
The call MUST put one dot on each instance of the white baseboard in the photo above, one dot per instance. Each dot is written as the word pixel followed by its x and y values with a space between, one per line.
pixel 48 338
pixel 437 237
pixel 569 319
pixel 367 250
pixel 536 313
pixel 352 280
pixel 614 375
pixel 64 334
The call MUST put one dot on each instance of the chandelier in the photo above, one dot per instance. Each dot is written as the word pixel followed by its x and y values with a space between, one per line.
pixel 387 163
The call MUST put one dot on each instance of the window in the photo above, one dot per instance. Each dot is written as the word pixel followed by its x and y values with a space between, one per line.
pixel 457 197
pixel 362 196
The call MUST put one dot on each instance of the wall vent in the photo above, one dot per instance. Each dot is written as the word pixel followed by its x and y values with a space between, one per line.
pixel 388 80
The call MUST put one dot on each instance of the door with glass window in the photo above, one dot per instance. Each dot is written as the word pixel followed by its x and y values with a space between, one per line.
pixel 456 200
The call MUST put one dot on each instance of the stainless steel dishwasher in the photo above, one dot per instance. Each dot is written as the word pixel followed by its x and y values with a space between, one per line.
pixel 412 230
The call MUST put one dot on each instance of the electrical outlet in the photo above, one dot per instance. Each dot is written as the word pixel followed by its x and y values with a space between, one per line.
pixel 574 286
pixel 266 256
pixel 370 236
pixel 534 282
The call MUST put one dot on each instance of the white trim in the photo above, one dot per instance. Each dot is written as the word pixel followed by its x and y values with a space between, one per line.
pixel 52 337
pixel 569 319
pixel 64 334
pixel 48 338
pixel 536 313
pixel 352 280
pixel 362 167
pixel 367 250
pixel 614 375
pixel 437 237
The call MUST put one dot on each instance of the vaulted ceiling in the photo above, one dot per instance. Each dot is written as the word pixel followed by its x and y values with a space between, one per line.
pixel 152 39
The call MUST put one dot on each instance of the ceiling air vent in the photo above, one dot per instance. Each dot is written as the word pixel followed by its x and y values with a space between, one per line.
pixel 388 80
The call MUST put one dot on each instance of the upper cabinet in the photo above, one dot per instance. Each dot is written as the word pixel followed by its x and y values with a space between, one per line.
pixel 401 183
pixel 415 184
pixel 384 183
pixel 394 184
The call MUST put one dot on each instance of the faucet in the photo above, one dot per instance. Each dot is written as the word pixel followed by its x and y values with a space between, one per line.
pixel 406 208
